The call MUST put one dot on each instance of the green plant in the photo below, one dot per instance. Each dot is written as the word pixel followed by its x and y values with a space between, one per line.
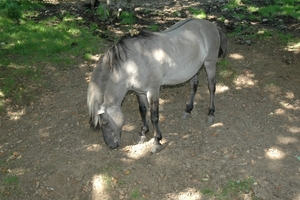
pixel 26 48
pixel 264 34
pixel 153 27
pixel 16 9
pixel 127 18
pixel 231 189
pixel 11 180
pixel 222 18
pixel 135 194
pixel 225 70
pixel 13 10
pixel 88 56
pixel 269 11
pixel 231 5
pixel 207 191
pixel 102 12
pixel 239 16
pixel 198 13
pixel 257 12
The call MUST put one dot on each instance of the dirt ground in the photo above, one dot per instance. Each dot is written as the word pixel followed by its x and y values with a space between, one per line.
pixel 54 153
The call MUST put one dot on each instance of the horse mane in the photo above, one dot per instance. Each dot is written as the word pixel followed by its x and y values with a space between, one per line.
pixel 117 53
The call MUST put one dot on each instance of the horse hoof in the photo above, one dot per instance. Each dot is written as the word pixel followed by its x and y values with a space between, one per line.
pixel 156 148
pixel 210 120
pixel 186 115
pixel 143 139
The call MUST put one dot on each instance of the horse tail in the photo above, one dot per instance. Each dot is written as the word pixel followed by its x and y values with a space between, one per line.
pixel 224 43
pixel 93 105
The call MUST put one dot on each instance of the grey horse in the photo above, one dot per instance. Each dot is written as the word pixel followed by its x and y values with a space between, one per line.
pixel 142 64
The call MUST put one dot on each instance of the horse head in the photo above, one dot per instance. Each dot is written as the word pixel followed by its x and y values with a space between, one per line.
pixel 112 122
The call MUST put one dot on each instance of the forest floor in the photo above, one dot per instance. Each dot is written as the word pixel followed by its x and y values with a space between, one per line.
pixel 250 152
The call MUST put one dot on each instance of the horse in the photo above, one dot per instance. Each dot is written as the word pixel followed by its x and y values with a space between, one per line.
pixel 143 63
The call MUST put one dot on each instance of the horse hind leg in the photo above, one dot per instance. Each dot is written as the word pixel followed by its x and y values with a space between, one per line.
pixel 190 104
pixel 211 74
pixel 143 108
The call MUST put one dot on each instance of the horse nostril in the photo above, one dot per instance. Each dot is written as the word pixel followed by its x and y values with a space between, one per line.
pixel 116 145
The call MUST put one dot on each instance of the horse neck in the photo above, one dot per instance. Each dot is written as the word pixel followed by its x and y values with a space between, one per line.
pixel 115 89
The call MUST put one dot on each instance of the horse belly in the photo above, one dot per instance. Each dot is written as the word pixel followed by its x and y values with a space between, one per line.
pixel 177 75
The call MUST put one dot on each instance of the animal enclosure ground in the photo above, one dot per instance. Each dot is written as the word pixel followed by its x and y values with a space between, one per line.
pixel 48 151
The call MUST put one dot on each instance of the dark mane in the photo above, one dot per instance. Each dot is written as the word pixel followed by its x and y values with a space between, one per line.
pixel 117 54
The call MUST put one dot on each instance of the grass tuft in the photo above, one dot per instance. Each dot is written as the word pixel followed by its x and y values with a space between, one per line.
pixel 231 189
pixel 198 13
pixel 27 46
pixel 127 18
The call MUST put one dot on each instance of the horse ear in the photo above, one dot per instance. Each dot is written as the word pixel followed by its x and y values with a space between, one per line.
pixel 101 110
pixel 103 115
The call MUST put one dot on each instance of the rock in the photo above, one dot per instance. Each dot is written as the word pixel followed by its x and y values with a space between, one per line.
pixel 226 22
pixel 248 42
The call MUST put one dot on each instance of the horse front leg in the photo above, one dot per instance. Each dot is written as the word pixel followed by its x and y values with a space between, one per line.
pixel 211 74
pixel 190 104
pixel 143 108
pixel 153 99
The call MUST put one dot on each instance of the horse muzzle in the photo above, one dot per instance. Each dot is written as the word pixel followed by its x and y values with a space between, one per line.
pixel 113 145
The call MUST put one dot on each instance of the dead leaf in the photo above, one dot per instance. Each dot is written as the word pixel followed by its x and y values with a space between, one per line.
pixel 4 170
pixel 126 172
pixel 114 180
pixel 215 134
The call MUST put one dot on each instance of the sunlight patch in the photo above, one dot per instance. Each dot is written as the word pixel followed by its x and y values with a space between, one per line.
pixel 289 106
pixel 99 187
pixel 245 81
pixel 163 101
pixel 236 56
pixel 16 115
pixel 221 88
pixel 275 154
pixel 94 147
pixel 289 95
pixel 217 125
pixel 17 171
pixel 293 47
pixel 297 197
pixel 189 193
pixel 280 111
pixel 128 127
pixel 294 129
pixel 139 150
pixel 287 140
pixel 272 88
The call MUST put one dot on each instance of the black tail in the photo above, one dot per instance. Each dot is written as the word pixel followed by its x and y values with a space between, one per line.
pixel 224 43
